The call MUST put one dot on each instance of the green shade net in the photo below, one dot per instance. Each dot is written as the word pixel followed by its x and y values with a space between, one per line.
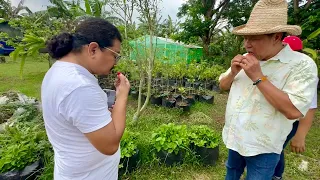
pixel 165 49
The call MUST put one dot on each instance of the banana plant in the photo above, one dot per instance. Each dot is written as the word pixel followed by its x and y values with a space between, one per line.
pixel 29 47
pixel 312 52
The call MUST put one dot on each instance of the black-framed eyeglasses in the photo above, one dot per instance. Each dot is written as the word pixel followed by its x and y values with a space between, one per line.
pixel 118 57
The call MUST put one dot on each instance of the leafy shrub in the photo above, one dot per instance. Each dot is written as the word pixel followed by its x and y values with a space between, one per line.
pixel 21 146
pixel 128 144
pixel 203 136
pixel 170 138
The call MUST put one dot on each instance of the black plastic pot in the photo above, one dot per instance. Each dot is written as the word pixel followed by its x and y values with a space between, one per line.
pixel 29 172
pixel 207 99
pixel 172 82
pixel 168 102
pixel 184 106
pixel 208 156
pixel 215 88
pixel 197 84
pixel 155 100
pixel 135 94
pixel 178 97
pixel 191 99
pixel 130 164
pixel 188 84
pixel 170 158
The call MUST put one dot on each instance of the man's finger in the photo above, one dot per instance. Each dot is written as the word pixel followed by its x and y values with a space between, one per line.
pixel 243 66
pixel 246 62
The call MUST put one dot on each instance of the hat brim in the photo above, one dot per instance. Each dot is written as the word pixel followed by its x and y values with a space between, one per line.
pixel 244 30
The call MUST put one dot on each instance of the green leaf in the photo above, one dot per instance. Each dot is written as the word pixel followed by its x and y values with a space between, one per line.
pixel 23 60
pixel 88 8
pixel 314 34
pixel 312 52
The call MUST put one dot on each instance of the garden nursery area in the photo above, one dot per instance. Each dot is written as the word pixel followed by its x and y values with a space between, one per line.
pixel 175 112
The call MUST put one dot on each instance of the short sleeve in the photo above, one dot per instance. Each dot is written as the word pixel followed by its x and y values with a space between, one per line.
pixel 224 74
pixel 86 108
pixel 301 85
pixel 314 103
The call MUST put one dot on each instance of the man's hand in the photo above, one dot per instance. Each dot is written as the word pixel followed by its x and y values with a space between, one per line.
pixel 297 144
pixel 235 64
pixel 251 67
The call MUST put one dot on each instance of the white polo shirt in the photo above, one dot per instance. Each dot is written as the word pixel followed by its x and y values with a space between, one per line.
pixel 73 104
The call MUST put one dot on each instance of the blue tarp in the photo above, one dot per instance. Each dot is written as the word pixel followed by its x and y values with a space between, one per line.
pixel 5 49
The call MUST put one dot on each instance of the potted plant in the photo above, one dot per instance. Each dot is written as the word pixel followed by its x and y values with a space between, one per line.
pixel 168 100
pixel 183 103
pixel 130 155
pixel 156 98
pixel 216 71
pixel 205 143
pixel 206 96
pixel 170 140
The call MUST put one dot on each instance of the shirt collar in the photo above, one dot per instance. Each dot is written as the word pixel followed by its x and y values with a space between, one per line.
pixel 284 56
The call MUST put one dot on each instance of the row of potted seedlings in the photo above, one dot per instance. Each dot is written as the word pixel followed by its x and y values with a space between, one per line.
pixel 171 143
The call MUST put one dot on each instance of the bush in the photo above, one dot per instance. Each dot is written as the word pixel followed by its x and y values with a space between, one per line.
pixel 203 136
pixel 170 138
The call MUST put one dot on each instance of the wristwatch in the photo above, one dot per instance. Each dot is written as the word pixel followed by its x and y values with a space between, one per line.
pixel 263 78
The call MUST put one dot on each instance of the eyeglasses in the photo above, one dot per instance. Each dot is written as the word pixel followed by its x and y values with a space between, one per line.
pixel 118 57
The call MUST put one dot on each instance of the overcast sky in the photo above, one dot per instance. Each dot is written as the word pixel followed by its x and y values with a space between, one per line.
pixel 168 7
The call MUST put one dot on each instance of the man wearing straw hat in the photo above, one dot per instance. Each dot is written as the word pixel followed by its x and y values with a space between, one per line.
pixel 270 87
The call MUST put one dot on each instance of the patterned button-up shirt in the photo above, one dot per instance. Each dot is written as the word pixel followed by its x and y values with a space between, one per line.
pixel 252 125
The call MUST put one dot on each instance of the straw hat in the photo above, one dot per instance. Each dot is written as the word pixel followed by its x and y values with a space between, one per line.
pixel 267 17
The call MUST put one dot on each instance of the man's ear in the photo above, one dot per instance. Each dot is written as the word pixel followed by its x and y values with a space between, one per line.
pixel 92 48
pixel 278 37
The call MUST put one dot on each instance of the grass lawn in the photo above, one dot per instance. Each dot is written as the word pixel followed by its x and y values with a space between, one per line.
pixel 211 115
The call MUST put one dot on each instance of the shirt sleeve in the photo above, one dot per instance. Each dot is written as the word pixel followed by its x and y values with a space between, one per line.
pixel 224 74
pixel 301 85
pixel 86 108
pixel 314 103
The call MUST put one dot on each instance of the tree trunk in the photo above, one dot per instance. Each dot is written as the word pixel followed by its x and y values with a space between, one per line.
pixel 206 43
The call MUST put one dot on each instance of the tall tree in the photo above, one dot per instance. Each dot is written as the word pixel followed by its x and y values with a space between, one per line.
pixel 202 19
pixel 124 9
pixel 238 11
pixel 148 10
pixel 169 27
pixel 7 11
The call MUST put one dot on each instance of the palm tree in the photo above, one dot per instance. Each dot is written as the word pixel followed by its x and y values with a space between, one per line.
pixel 7 11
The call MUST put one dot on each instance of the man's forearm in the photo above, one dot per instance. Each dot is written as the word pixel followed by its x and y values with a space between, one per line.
pixel 279 100
pixel 119 115
pixel 226 82
pixel 305 123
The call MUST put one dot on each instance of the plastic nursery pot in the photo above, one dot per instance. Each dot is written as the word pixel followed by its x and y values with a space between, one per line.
pixel 170 158
pixel 207 99
pixel 130 164
pixel 191 99
pixel 134 94
pixel 178 97
pixel 208 156
pixel 215 88
pixel 184 106
pixel 30 172
pixel 172 82
pixel 155 100
pixel 196 84
pixel 168 102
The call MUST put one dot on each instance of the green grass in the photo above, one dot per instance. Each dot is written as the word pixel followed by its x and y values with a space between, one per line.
pixel 153 117
pixel 30 82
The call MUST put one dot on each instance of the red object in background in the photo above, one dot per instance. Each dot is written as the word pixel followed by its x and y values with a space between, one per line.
pixel 118 73
pixel 294 42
